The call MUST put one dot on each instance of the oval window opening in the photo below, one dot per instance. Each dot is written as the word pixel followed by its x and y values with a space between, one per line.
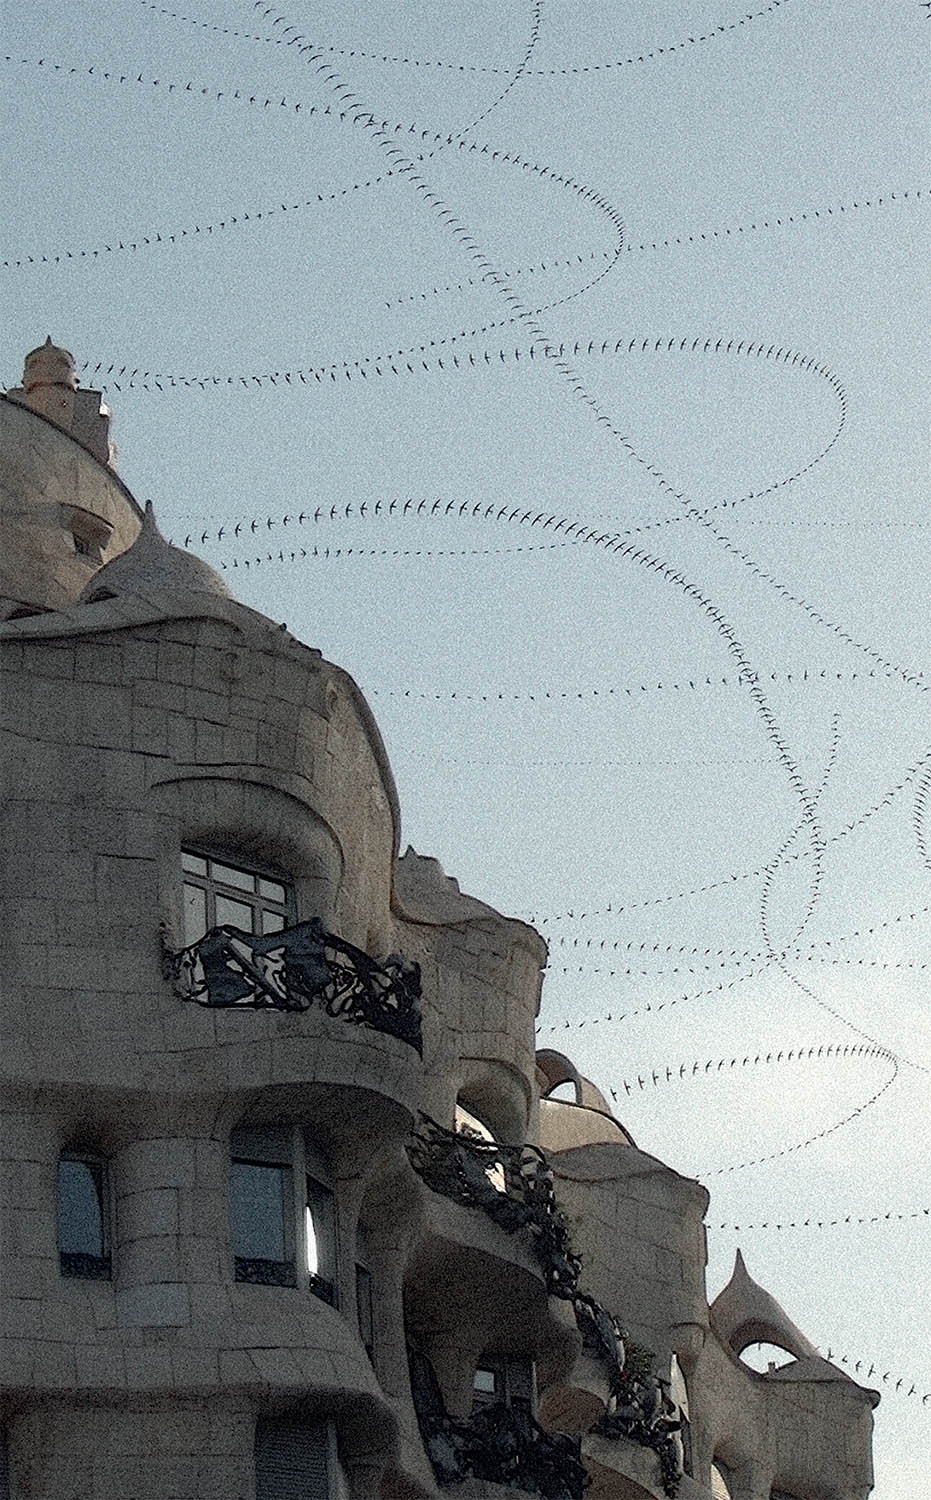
pixel 764 1358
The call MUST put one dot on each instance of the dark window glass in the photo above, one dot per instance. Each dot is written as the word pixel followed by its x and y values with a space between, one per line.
pixel 83 1231
pixel 217 893
pixel 195 913
pixel 261 1221
pixel 507 1378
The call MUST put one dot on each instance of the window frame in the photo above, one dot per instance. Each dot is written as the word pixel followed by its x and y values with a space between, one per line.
pixel 315 1206
pixel 82 1264
pixel 212 886
pixel 333 1477
pixel 515 1382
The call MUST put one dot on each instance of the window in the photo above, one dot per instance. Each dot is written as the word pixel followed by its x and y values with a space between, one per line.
pixel 295 1460
pixel 83 1216
pixel 282 1237
pixel 505 1378
pixel 217 893
pixel 89 532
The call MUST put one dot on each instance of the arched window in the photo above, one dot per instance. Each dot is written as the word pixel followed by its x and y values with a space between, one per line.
pixel 296 1460
pixel 83 1215
pixel 282 1211
pixel 764 1357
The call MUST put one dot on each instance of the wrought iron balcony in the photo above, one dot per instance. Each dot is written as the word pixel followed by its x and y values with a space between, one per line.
pixel 513 1185
pixel 642 1411
pixel 294 969
pixel 501 1443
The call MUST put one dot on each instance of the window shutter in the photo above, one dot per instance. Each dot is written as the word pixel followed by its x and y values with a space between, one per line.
pixel 291 1461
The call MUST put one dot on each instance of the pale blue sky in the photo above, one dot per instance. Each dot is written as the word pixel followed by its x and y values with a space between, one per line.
pixel 626 786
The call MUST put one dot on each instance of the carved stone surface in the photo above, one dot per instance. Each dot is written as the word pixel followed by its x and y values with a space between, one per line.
pixel 296 968
pixel 500 1443
pixel 513 1185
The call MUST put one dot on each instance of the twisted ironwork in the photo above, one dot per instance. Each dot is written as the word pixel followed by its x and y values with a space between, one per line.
pixel 294 969
pixel 500 1443
pixel 513 1185
pixel 642 1411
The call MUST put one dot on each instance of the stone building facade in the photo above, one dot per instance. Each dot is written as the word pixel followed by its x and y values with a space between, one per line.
pixel 292 1206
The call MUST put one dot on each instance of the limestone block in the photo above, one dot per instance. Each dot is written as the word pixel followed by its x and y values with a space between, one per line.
pixel 160 1305
pixel 149 1368
pixel 99 1367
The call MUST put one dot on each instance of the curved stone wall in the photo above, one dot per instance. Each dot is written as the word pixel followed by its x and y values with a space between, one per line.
pixel 45 476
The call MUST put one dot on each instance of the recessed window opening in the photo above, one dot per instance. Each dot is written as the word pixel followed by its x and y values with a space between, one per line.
pixel 507 1378
pixel 83 1216
pixel 566 1092
pixel 280 1237
pixel 296 1460
pixel 474 1129
pixel 365 1308
pixel 217 893
pixel 764 1357
pixel 90 533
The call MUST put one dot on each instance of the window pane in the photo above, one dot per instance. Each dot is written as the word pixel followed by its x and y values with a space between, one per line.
pixel 195 864
pixel 321 1230
pixel 312 1249
pixel 195 913
pixel 260 1209
pixel 233 913
pixel 80 1209
pixel 485 1381
pixel 272 890
pixel 229 875
pixel 272 921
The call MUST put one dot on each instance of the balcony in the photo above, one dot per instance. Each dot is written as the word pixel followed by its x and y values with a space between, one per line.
pixel 511 1184
pixel 294 969
pixel 497 1443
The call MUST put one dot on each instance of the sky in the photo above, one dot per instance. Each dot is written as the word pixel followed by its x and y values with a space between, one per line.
pixel 560 371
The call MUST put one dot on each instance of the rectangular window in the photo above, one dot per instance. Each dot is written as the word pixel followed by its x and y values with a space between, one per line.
pixel 217 893
pixel 292 1460
pixel 83 1217
pixel 280 1238
pixel 507 1378
pixel 262 1207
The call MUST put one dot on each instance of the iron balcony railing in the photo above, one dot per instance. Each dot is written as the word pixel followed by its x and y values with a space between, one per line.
pixel 294 969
